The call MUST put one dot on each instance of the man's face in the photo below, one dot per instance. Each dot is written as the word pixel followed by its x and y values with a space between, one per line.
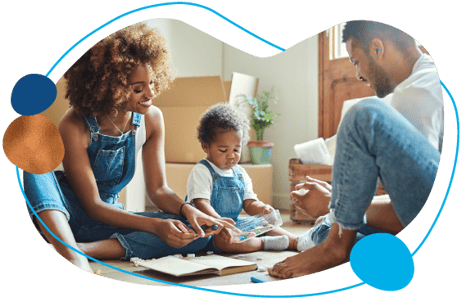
pixel 368 71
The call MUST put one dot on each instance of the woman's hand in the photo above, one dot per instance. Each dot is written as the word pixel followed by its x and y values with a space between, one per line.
pixel 197 219
pixel 173 232
pixel 314 201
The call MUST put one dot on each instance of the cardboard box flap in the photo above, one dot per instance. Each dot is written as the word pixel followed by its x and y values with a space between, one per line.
pixel 242 84
pixel 193 91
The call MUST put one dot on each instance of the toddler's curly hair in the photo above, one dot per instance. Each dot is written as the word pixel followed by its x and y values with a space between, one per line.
pixel 98 83
pixel 221 118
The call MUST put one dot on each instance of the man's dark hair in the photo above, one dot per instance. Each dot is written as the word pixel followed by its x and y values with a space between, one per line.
pixel 363 32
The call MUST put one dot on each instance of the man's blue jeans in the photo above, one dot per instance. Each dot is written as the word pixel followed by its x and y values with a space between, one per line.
pixel 375 141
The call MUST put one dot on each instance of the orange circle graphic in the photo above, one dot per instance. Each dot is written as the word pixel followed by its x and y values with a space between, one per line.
pixel 33 144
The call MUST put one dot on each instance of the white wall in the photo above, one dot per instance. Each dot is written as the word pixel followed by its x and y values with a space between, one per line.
pixel 196 54
pixel 294 74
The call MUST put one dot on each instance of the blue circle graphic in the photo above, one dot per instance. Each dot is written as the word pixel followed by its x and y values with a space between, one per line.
pixel 382 261
pixel 33 94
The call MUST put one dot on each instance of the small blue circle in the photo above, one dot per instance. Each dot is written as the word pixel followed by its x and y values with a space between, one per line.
pixel 382 261
pixel 33 94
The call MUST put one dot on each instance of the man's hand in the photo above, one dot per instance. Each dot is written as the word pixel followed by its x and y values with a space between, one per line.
pixel 314 201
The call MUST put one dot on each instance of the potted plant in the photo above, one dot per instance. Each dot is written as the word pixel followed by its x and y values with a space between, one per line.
pixel 261 119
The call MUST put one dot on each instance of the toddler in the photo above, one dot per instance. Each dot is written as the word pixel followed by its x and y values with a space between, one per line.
pixel 219 187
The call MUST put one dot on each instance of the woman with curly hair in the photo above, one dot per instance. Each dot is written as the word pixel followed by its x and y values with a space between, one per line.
pixel 111 117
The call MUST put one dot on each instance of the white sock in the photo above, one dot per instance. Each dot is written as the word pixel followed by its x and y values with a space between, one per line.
pixel 305 241
pixel 275 243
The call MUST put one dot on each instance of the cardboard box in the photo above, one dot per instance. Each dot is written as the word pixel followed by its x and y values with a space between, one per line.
pixel 261 176
pixel 182 106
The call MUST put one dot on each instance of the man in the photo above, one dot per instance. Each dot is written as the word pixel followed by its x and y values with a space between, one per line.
pixel 374 141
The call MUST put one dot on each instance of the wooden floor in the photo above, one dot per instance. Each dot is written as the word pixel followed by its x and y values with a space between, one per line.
pixel 127 271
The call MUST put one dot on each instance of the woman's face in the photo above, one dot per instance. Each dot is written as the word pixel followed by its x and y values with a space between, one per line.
pixel 142 90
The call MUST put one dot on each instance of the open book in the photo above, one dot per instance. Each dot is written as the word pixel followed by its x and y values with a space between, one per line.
pixel 190 266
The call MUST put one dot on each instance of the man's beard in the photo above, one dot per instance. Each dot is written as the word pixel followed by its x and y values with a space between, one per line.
pixel 380 80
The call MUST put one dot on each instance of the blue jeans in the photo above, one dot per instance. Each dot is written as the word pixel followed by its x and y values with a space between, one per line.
pixel 375 141
pixel 44 192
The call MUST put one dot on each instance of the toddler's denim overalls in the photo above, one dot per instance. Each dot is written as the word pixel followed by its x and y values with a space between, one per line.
pixel 227 197
pixel 112 160
pixel 227 192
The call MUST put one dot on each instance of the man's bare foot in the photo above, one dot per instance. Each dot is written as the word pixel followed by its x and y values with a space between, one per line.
pixel 311 261
pixel 332 252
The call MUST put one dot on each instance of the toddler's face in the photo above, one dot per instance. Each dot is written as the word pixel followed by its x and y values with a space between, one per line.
pixel 225 150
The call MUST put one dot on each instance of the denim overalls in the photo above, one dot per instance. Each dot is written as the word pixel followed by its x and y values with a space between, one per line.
pixel 227 192
pixel 227 198
pixel 112 160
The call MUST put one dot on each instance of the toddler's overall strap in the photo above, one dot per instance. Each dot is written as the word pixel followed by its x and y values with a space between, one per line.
pixel 205 163
pixel 238 174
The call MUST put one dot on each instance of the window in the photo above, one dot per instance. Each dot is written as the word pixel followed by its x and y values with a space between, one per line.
pixel 337 48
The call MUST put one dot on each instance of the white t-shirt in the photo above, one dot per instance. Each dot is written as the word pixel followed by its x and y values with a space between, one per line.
pixel 419 99
pixel 200 183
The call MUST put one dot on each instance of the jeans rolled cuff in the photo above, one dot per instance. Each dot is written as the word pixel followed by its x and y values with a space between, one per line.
pixel 47 206
pixel 129 252
pixel 331 218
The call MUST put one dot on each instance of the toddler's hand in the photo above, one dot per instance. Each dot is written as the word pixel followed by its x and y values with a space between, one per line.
pixel 267 209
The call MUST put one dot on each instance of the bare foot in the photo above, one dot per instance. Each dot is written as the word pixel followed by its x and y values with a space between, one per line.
pixel 103 249
pixel 311 261
pixel 333 251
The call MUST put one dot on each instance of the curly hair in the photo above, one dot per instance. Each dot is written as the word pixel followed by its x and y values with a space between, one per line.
pixel 363 32
pixel 221 118
pixel 98 83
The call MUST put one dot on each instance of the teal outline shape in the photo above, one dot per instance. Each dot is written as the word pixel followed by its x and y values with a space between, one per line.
pixel 159 5
pixel 219 291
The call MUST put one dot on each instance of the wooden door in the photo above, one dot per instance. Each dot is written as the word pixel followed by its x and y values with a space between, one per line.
pixel 337 83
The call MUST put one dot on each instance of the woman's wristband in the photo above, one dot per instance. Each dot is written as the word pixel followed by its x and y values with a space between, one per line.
pixel 181 208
